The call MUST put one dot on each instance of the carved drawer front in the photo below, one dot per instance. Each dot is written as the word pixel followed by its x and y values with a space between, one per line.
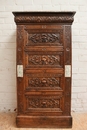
pixel 43 81
pixel 40 36
pixel 44 105
pixel 40 59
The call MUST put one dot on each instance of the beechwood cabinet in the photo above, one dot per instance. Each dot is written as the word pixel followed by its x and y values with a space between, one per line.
pixel 44 61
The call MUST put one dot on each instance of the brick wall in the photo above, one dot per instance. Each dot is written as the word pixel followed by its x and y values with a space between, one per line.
pixel 8 48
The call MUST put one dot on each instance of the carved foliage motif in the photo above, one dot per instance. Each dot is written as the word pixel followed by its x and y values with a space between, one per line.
pixel 43 82
pixel 44 60
pixel 44 37
pixel 44 102
pixel 41 19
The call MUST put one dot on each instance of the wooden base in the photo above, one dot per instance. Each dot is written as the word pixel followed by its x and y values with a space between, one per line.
pixel 44 121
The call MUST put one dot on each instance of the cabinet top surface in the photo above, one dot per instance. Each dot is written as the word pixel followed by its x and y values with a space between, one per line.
pixel 44 12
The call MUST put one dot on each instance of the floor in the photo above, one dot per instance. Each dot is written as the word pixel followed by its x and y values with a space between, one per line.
pixel 7 122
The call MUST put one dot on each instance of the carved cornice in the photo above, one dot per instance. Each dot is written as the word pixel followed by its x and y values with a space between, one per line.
pixel 41 17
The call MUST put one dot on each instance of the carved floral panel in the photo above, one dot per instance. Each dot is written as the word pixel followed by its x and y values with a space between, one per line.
pixel 37 60
pixel 44 81
pixel 44 60
pixel 43 102
pixel 35 38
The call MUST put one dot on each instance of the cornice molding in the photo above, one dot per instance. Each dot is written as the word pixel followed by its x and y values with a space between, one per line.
pixel 42 17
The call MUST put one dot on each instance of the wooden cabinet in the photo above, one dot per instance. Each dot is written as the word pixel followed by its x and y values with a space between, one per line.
pixel 44 69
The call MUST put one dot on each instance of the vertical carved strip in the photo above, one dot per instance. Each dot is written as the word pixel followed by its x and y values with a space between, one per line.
pixel 67 61
pixel 20 42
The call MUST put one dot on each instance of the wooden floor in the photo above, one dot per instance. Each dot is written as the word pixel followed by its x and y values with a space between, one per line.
pixel 7 122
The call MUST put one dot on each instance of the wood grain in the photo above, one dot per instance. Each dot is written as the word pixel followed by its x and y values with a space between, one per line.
pixel 44 93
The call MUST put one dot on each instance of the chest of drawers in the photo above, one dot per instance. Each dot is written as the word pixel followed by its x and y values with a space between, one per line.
pixel 44 69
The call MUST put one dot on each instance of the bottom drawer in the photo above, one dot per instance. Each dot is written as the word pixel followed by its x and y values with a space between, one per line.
pixel 44 105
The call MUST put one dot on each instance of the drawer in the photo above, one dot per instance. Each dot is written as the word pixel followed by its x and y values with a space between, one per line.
pixel 41 81
pixel 43 35
pixel 43 60
pixel 44 105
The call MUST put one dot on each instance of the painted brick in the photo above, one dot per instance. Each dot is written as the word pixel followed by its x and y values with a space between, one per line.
pixel 79 89
pixel 75 32
pixel 14 7
pixel 61 2
pixel 51 8
pixel 83 8
pixel 5 14
pixel 80 38
pixel 82 96
pixel 83 32
pixel 78 2
pixel 8 45
pixel 83 58
pixel 8 32
pixel 77 109
pixel 79 76
pixel 8 38
pixel 82 70
pixel 7 88
pixel 2 8
pixel 83 46
pixel 75 45
pixel 68 7
pixel 79 83
pixel 75 70
pixel 24 2
pixel 41 2
pixel 79 64
pixel 7 2
pixel 80 25
pixel 74 95
pixel 5 26
pixel 1 20
pixel 83 20
pixel 13 26
pixel 32 8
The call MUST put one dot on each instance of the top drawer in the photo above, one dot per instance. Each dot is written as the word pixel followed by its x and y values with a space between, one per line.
pixel 43 35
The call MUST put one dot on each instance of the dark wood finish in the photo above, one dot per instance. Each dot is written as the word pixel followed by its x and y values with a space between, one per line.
pixel 44 48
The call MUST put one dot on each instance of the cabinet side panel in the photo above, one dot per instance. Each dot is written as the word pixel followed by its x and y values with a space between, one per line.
pixel 20 61
pixel 67 63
